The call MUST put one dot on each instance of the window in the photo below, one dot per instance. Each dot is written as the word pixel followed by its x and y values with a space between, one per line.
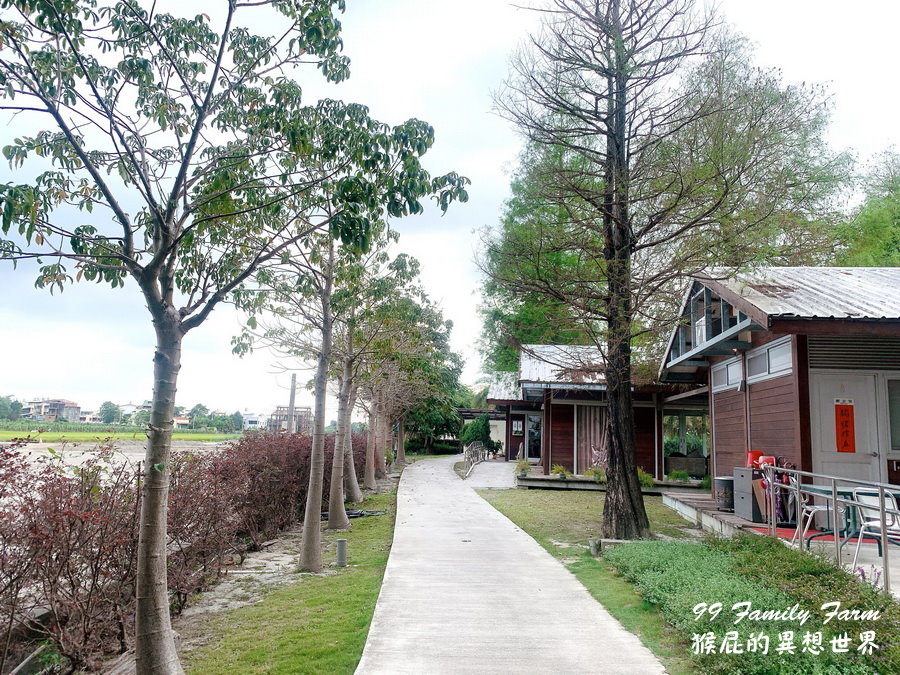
pixel 771 360
pixel 727 375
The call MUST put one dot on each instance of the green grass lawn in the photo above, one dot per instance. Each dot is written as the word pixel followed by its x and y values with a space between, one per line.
pixel 90 437
pixel 570 517
pixel 316 625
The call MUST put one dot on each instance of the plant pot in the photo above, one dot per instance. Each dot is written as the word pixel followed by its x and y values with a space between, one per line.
pixel 523 474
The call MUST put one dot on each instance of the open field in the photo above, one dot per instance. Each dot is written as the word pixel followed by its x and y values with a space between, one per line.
pixel 101 436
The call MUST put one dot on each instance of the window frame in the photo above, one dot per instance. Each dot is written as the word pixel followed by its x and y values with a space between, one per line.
pixel 726 366
pixel 766 349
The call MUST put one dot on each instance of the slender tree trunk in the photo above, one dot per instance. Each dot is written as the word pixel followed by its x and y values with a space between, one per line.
pixel 380 440
pixel 154 642
pixel 337 514
pixel 624 516
pixel 311 540
pixel 369 477
pixel 401 441
pixel 352 492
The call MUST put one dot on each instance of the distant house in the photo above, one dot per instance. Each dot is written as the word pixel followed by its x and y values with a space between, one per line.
pixel 556 404
pixel 253 422
pixel 90 417
pixel 182 422
pixel 51 410
pixel 802 363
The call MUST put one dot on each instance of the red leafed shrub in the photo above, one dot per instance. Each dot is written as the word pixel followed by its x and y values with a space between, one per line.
pixel 68 534
pixel 81 535
pixel 276 467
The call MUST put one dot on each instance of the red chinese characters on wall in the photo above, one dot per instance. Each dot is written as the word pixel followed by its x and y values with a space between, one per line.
pixel 844 425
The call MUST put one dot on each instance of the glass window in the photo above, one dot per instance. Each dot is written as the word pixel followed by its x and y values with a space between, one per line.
pixel 719 377
pixel 734 372
pixel 780 357
pixel 757 364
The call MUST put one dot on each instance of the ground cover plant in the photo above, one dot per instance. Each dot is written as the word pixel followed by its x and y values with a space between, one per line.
pixel 68 535
pixel 677 577
pixel 317 625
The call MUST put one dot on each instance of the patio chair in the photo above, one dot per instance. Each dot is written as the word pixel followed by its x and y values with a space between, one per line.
pixel 869 510
pixel 806 511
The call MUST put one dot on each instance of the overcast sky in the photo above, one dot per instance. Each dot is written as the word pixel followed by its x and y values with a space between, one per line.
pixel 438 61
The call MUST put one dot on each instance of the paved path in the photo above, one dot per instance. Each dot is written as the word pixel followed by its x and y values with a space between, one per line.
pixel 495 474
pixel 466 591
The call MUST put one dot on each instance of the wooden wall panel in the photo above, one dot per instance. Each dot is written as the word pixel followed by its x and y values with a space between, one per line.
pixel 562 430
pixel 645 439
pixel 730 431
pixel 774 418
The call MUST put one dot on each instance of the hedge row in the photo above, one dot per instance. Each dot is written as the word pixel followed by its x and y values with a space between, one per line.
pixel 68 535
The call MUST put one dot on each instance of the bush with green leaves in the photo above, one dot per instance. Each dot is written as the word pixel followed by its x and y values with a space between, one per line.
pixel 646 479
pixel 479 430
pixel 679 476
pixel 677 576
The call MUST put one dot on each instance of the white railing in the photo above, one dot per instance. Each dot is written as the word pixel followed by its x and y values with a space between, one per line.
pixel 829 488
pixel 474 453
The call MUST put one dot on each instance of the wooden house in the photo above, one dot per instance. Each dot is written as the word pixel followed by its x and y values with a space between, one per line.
pixel 555 408
pixel 798 362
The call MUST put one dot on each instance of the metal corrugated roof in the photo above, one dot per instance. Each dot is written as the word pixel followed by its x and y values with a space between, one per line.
pixel 818 292
pixel 504 387
pixel 561 364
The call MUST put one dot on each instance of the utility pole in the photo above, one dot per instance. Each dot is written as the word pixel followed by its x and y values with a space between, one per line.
pixel 291 420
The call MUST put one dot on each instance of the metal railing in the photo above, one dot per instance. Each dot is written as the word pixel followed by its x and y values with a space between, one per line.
pixel 827 487
pixel 474 453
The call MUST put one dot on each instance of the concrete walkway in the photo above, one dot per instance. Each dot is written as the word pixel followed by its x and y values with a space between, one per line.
pixel 494 474
pixel 466 591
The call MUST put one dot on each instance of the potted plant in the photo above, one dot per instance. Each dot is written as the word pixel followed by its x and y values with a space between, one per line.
pixel 560 470
pixel 595 472
pixel 522 468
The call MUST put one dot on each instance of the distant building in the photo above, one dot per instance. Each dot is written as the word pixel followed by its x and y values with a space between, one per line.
pixel 278 420
pixel 51 410
pixel 90 417
pixel 128 409
pixel 182 422
pixel 253 422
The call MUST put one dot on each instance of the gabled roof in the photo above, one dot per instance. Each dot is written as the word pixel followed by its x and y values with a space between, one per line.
pixel 855 293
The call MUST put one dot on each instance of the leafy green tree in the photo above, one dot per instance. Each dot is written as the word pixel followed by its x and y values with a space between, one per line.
pixel 192 163
pixel 871 238
pixel 109 412
pixel 237 421
pixel 140 418
pixel 664 152
pixel 10 408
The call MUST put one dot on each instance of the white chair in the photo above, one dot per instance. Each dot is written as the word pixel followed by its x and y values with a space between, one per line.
pixel 868 509
pixel 806 511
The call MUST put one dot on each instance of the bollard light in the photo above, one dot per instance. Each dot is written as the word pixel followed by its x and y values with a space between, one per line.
pixel 341 552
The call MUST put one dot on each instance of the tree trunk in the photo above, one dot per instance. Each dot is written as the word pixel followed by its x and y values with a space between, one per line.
pixel 154 642
pixel 624 516
pixel 401 442
pixel 311 541
pixel 380 469
pixel 352 492
pixel 369 477
pixel 337 514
